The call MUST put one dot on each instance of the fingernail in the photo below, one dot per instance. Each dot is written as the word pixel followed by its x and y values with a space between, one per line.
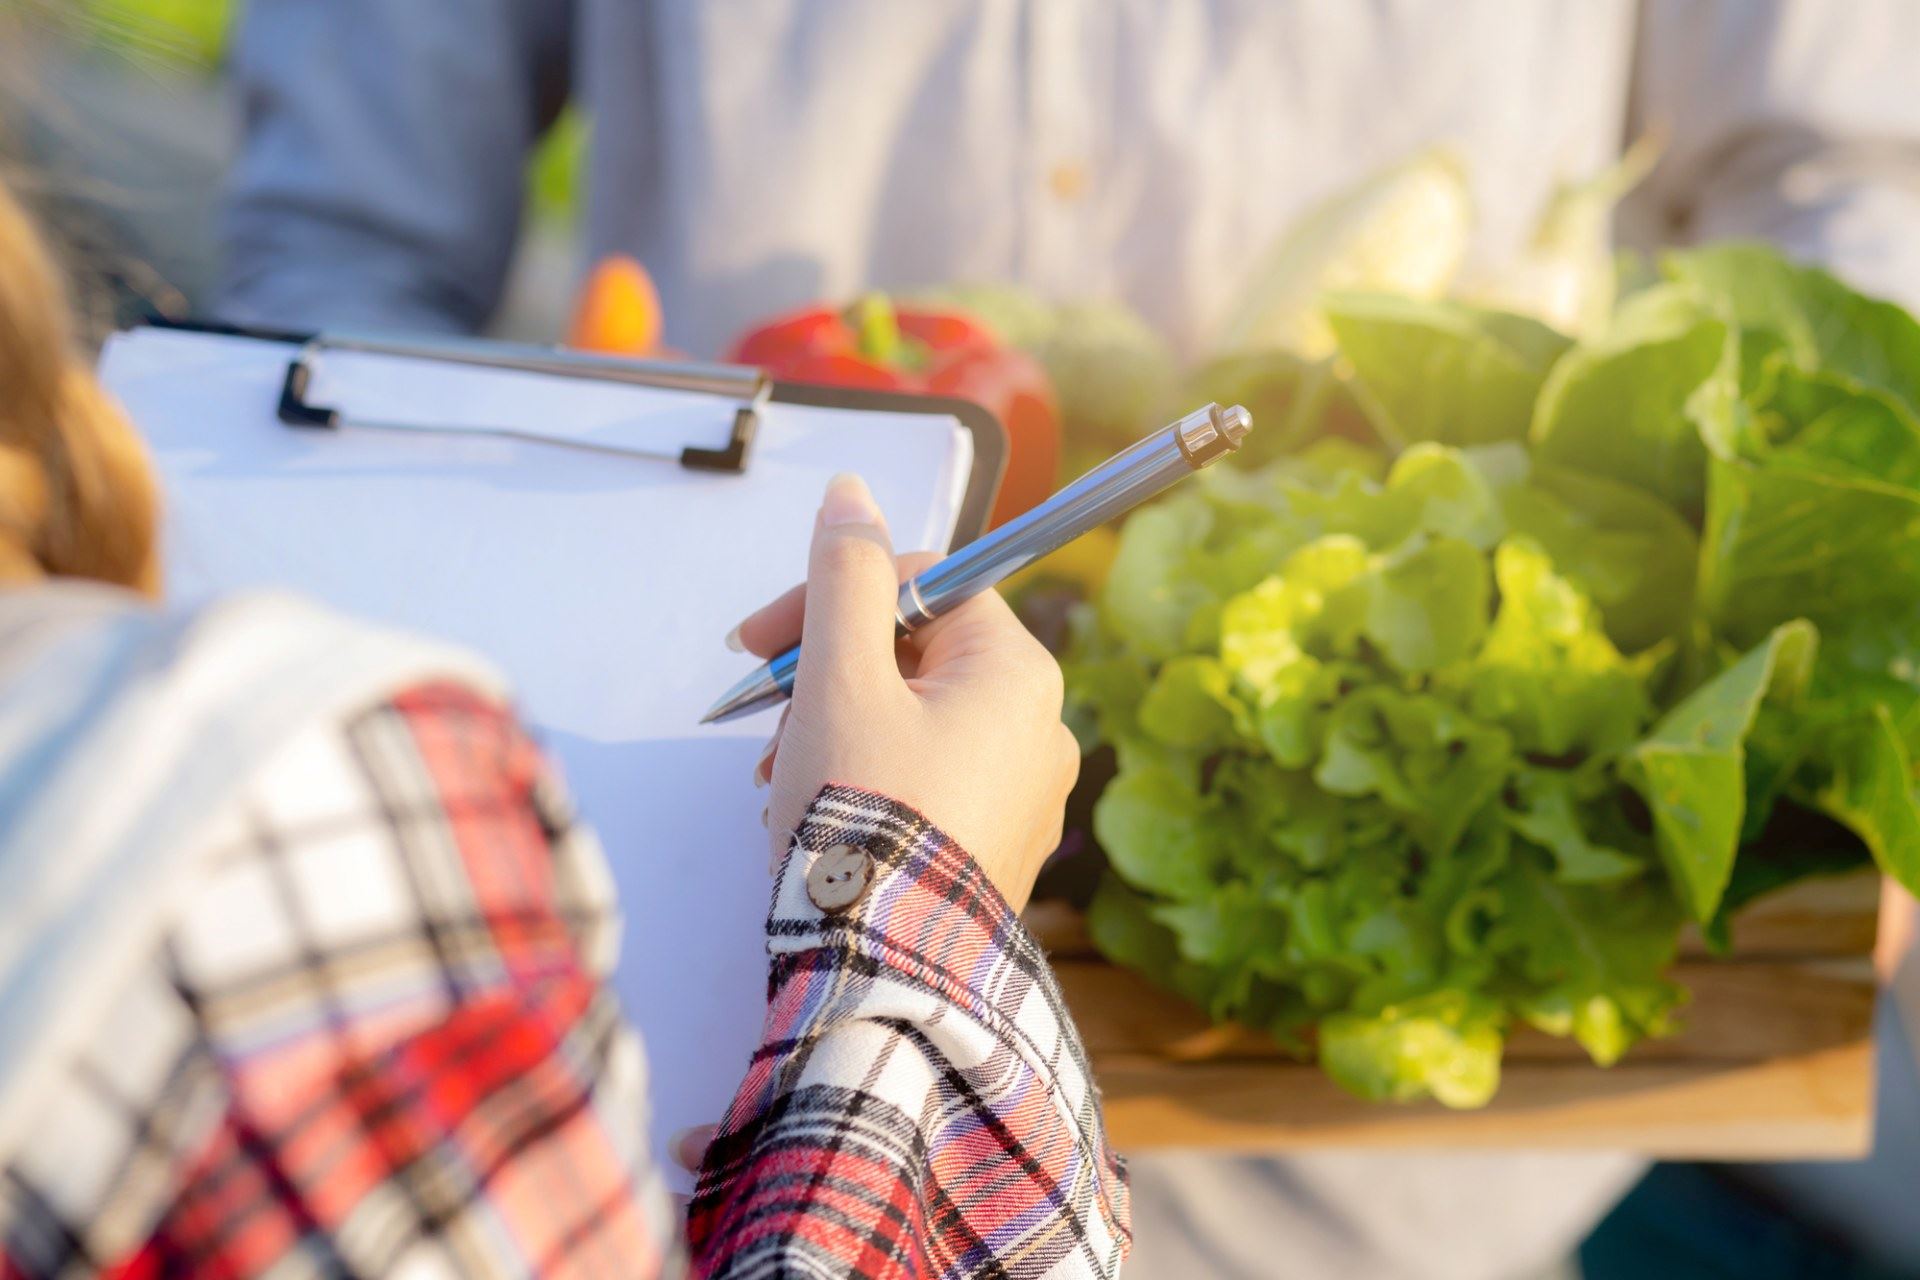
pixel 734 643
pixel 689 1145
pixel 848 501
pixel 763 768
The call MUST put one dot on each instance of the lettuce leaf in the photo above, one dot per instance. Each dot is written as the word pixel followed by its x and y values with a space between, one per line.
pixel 1313 605
pixel 1631 553
pixel 1818 421
pixel 1691 770
pixel 1861 773
pixel 1782 541
pixel 1191 704
pixel 1296 401
pixel 1426 604
pixel 1446 1044
pixel 1432 764
pixel 1547 810
pixel 1443 371
pixel 1630 406
pixel 1594 957
pixel 1819 525
pixel 1547 672
pixel 1150 597
pixel 1160 833
pixel 1873 659
pixel 1121 924
pixel 1818 321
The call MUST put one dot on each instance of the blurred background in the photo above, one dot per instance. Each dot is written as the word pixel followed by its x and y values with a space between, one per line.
pixel 115 117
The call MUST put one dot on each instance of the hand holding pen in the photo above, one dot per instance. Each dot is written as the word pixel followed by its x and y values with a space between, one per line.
pixel 1111 489
pixel 961 721
pixel 959 715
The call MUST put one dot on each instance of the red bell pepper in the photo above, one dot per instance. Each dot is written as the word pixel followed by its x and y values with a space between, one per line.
pixel 814 331
pixel 943 353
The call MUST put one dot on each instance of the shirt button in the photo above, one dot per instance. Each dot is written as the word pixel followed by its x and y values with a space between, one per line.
pixel 839 878
pixel 1067 181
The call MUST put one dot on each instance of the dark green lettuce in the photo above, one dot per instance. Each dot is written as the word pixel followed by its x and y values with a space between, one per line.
pixel 1421 744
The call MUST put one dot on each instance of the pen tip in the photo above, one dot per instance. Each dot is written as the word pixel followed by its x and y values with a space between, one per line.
pixel 761 689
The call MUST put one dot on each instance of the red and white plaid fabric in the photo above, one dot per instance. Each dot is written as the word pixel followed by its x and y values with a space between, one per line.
pixel 920 1104
pixel 379 1043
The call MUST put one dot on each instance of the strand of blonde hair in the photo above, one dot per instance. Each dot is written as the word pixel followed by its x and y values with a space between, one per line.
pixel 77 494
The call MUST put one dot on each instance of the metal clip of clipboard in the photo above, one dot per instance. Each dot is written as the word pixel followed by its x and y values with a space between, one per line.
pixel 748 387
pixel 752 389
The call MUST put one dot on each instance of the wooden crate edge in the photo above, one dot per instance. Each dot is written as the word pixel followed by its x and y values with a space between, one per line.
pixel 1818 1107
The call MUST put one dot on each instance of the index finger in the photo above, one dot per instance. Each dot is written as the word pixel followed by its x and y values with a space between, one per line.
pixel 775 627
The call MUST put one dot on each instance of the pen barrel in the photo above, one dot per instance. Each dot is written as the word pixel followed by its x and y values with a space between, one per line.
pixel 1117 485
pixel 783 668
pixel 1110 489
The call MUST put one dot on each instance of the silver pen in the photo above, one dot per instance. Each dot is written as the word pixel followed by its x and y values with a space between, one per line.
pixel 1113 488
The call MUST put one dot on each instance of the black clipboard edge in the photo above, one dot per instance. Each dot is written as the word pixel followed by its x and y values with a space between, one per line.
pixel 991 445
pixel 223 329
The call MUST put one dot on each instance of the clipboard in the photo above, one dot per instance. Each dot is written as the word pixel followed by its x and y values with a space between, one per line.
pixel 600 585
pixel 749 386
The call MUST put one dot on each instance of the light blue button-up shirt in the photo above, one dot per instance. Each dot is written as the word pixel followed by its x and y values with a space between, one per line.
pixel 758 154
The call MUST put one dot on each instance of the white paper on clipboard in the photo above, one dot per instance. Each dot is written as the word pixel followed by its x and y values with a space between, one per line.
pixel 602 585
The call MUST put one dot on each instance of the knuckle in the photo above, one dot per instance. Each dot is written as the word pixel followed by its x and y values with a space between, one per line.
pixel 1070 754
pixel 914 562
pixel 851 553
pixel 1048 683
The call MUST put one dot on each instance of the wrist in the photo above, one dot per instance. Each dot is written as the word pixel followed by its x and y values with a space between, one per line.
pixel 870 875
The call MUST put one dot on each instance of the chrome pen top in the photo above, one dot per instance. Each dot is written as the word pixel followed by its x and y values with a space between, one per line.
pixel 1212 432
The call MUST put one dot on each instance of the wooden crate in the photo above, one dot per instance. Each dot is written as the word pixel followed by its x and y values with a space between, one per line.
pixel 1774 1059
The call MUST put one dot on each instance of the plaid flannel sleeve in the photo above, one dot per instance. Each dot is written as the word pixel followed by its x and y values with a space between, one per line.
pixel 378 1042
pixel 921 1104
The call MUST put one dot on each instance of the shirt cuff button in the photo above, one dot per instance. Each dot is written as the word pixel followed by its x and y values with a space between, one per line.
pixel 839 878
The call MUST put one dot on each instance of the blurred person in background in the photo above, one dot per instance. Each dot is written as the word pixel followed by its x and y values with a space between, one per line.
pixel 303 955
pixel 759 154
pixel 756 155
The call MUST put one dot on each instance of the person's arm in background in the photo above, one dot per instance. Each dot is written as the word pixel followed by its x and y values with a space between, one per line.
pixel 381 172
pixel 1897 956
pixel 1791 121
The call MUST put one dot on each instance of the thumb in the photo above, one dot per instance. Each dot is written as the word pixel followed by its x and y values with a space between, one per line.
pixel 848 631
